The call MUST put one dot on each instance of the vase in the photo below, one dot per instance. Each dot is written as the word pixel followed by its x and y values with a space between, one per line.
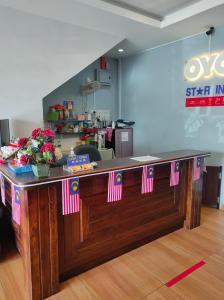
pixel 41 170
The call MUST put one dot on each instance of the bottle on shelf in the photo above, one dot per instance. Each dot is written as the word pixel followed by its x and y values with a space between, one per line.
pixel 71 156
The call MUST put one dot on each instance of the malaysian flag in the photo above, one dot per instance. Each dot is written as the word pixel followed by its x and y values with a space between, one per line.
pixel 175 173
pixel 16 199
pixel 147 179
pixel 70 196
pixel 204 165
pixel 197 168
pixel 2 188
pixel 114 186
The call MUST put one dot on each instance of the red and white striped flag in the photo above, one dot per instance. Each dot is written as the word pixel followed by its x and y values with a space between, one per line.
pixel 174 173
pixel 147 179
pixel 70 196
pixel 197 168
pixel 16 199
pixel 2 188
pixel 114 186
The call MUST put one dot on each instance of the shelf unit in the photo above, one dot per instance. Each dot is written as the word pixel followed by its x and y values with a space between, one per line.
pixel 67 121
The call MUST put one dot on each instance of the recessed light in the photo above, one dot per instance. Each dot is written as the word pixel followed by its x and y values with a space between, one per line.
pixel 120 50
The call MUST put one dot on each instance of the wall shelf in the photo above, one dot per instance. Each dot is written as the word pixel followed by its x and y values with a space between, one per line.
pixel 69 133
pixel 89 88
pixel 67 121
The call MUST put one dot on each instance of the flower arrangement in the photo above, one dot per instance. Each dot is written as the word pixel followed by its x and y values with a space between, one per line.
pixel 37 149
pixel 57 107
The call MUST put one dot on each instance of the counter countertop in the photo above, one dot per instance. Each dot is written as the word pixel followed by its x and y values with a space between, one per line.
pixel 57 174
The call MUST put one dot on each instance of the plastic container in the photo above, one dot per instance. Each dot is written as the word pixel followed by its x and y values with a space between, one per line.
pixel 20 169
pixel 52 116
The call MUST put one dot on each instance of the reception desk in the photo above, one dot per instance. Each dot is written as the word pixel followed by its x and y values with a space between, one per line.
pixel 54 247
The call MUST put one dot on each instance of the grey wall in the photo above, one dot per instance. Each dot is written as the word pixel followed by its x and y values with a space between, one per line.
pixel 153 94
pixel 106 98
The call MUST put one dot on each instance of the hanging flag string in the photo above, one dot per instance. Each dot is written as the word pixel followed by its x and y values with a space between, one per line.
pixel 70 196
pixel 174 173
pixel 114 186
pixel 16 200
pixel 2 182
pixel 197 168
pixel 204 165
pixel 147 179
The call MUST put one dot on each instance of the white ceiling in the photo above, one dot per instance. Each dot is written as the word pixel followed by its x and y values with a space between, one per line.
pixel 157 8
pixel 140 29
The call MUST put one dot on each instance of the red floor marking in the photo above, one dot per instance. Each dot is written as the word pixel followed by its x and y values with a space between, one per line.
pixel 185 273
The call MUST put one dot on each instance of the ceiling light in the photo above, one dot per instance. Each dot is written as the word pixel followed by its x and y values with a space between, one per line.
pixel 120 50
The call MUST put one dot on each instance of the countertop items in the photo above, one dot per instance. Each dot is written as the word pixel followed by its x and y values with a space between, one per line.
pixel 103 167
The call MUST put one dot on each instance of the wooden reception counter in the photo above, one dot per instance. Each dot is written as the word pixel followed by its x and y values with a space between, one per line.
pixel 55 247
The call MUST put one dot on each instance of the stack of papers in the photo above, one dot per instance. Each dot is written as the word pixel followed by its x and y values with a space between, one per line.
pixel 145 158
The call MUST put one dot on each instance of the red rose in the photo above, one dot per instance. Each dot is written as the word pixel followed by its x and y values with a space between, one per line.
pixel 24 160
pixel 47 147
pixel 22 142
pixel 36 133
pixel 48 133
pixel 52 161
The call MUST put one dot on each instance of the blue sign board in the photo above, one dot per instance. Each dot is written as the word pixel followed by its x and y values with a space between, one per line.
pixel 78 160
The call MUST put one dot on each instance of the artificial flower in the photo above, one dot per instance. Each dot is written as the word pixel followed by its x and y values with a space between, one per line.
pixel 47 147
pixel 22 142
pixel 24 160
pixel 48 133
pixel 52 161
pixel 36 133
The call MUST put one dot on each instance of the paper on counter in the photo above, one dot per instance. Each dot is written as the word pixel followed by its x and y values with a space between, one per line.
pixel 145 158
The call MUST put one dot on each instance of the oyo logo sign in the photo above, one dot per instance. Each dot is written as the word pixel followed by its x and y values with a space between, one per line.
pixel 205 66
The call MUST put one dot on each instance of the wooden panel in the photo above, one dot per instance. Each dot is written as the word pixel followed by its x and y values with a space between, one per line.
pixel 37 240
pixel 193 194
pixel 211 186
pixel 105 230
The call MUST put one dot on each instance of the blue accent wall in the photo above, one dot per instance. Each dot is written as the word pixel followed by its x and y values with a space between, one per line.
pixel 153 95
pixel 106 98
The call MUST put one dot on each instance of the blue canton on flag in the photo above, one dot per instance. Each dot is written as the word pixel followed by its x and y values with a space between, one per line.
pixel 150 171
pixel 17 196
pixel 198 162
pixel 74 186
pixel 16 200
pixel 118 178
pixel 177 166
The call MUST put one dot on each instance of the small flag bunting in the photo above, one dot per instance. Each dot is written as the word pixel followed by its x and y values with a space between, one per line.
pixel 147 179
pixel 70 196
pixel 114 186
pixel 197 168
pixel 175 173
pixel 204 166
pixel 16 201
pixel 2 182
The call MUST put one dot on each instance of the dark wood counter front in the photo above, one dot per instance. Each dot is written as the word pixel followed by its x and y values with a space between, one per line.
pixel 55 247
